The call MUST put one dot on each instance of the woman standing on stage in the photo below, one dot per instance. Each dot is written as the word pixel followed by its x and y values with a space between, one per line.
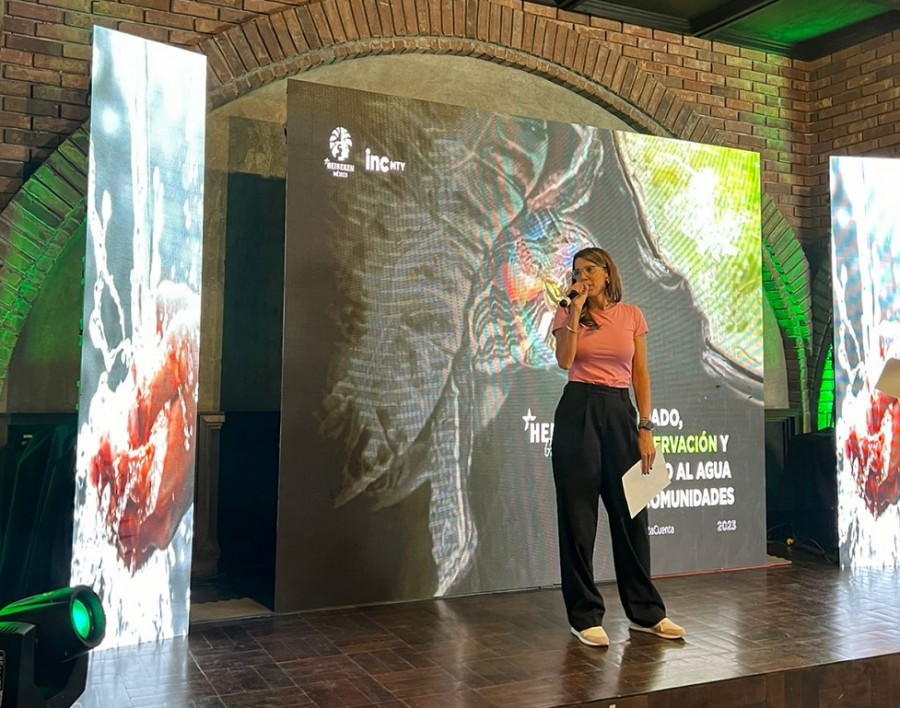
pixel 601 341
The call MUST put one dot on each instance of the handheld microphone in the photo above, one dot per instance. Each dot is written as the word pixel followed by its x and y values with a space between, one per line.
pixel 567 300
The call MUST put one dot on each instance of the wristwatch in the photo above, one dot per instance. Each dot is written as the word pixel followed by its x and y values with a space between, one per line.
pixel 645 424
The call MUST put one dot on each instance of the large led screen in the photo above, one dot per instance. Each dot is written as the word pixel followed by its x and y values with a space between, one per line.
pixel 138 406
pixel 427 246
pixel 865 218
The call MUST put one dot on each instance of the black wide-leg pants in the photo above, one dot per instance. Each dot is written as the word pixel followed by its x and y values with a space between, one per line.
pixel 594 444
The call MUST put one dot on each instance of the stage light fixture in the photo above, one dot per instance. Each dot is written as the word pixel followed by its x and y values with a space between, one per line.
pixel 44 643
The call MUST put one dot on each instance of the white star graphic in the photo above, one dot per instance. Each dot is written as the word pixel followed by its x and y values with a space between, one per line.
pixel 529 418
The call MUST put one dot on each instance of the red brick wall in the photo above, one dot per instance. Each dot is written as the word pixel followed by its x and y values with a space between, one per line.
pixel 757 101
pixel 855 97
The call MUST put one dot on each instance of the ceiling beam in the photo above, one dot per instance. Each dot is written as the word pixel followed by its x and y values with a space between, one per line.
pixel 634 16
pixel 722 24
pixel 847 37
pixel 727 14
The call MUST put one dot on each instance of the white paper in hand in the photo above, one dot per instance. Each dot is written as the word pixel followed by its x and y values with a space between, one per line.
pixel 641 488
pixel 889 381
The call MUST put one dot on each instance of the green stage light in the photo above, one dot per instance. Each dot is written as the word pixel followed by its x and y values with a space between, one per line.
pixel 69 621
pixel 44 642
pixel 81 619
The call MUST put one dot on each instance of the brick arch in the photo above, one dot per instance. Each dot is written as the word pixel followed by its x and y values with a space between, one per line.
pixel 572 55
pixel 787 286
pixel 823 331
pixel 583 65
pixel 271 47
pixel 34 230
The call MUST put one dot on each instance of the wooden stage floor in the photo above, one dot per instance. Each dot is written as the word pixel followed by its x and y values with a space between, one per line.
pixel 803 635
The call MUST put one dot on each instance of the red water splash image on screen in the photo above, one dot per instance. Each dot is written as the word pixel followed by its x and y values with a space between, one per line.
pixel 144 484
pixel 872 448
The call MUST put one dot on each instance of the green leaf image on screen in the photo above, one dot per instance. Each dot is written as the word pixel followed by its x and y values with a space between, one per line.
pixel 700 206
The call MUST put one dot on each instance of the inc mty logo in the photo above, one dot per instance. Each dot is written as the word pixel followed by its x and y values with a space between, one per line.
pixel 339 143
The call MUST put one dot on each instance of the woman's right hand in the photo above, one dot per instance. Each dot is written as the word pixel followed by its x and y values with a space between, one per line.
pixel 578 301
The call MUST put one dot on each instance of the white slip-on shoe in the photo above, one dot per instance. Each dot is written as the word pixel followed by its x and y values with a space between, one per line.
pixel 665 628
pixel 592 636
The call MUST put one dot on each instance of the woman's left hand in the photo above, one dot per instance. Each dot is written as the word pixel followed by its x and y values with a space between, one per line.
pixel 647 450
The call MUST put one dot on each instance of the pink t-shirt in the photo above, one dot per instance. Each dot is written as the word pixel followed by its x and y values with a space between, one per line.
pixel 604 355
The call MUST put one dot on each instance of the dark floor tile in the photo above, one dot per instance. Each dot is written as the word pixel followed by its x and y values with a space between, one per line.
pixel 271 698
pixel 536 693
pixel 305 647
pixel 507 644
pixel 381 661
pixel 274 676
pixel 421 682
pixel 223 659
pixel 419 660
pixel 236 680
pixel 466 650
pixel 326 668
pixel 211 638
pixel 169 692
pixel 374 690
pixel 587 687
pixel 460 699
pixel 344 693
